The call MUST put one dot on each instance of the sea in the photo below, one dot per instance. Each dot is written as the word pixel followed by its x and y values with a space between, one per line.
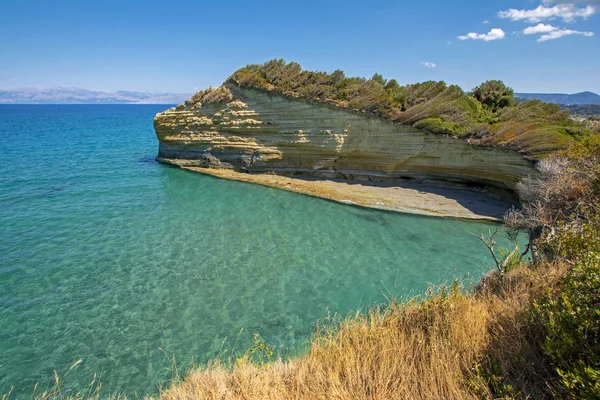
pixel 131 269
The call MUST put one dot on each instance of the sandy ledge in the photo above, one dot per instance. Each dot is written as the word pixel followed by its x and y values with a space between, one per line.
pixel 410 198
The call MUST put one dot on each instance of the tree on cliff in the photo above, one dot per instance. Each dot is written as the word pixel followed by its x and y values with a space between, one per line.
pixel 379 79
pixel 494 95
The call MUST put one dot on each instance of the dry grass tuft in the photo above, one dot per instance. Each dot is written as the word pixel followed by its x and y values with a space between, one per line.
pixel 218 95
pixel 56 390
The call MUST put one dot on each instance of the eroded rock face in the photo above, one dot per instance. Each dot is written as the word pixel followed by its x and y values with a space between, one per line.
pixel 259 132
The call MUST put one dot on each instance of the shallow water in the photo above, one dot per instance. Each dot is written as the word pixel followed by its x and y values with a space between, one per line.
pixel 109 257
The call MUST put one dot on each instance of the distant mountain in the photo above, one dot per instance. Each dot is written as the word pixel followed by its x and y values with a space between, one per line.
pixel 559 98
pixel 61 95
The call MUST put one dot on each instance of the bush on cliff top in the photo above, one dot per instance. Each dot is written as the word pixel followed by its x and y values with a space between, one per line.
pixel 494 94
pixel 431 106
pixel 211 95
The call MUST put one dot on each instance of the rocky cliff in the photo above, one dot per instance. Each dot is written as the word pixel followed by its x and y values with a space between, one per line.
pixel 259 132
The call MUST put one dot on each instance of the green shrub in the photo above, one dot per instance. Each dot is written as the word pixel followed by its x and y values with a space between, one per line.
pixel 563 202
pixel 572 319
pixel 494 94
pixel 437 126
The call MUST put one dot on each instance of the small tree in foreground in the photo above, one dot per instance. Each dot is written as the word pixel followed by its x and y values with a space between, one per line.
pixel 506 260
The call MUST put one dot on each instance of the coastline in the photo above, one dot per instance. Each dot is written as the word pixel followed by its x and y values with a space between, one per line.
pixel 411 198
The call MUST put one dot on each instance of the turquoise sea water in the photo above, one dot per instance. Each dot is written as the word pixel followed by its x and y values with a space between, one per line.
pixel 108 257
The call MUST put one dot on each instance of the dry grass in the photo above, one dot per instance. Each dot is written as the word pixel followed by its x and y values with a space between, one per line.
pixel 448 345
pixel 217 95
pixel 56 390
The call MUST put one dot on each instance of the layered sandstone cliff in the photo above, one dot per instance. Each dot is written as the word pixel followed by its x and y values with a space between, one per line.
pixel 257 132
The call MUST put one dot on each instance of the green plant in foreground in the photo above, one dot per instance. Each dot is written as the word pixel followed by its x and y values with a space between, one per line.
pixel 572 320
pixel 506 260
pixel 259 353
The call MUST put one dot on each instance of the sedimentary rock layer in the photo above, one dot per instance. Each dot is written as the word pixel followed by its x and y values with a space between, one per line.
pixel 257 132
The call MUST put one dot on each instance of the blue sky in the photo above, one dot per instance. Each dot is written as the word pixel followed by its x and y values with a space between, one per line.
pixel 182 46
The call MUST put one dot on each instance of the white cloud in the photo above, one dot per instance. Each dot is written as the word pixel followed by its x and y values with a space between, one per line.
pixel 494 34
pixel 570 1
pixel 552 32
pixel 539 28
pixel 567 12
pixel 428 64
pixel 562 32
pixel 486 22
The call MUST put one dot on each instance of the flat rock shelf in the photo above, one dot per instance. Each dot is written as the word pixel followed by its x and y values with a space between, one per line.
pixel 412 198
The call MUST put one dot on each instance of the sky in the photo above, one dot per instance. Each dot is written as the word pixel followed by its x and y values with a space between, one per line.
pixel 182 46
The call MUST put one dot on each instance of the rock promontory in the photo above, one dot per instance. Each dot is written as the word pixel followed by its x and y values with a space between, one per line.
pixel 254 131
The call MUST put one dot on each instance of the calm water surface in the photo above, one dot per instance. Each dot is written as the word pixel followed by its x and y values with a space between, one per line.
pixel 108 257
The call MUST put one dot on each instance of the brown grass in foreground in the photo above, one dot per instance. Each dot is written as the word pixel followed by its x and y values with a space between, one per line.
pixel 448 345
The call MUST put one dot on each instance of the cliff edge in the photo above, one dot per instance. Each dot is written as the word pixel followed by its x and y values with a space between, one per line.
pixel 249 130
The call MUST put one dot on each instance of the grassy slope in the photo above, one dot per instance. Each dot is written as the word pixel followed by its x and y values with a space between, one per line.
pixel 448 345
pixel 532 127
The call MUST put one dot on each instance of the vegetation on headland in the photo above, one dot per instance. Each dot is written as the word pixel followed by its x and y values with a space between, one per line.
pixel 489 115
